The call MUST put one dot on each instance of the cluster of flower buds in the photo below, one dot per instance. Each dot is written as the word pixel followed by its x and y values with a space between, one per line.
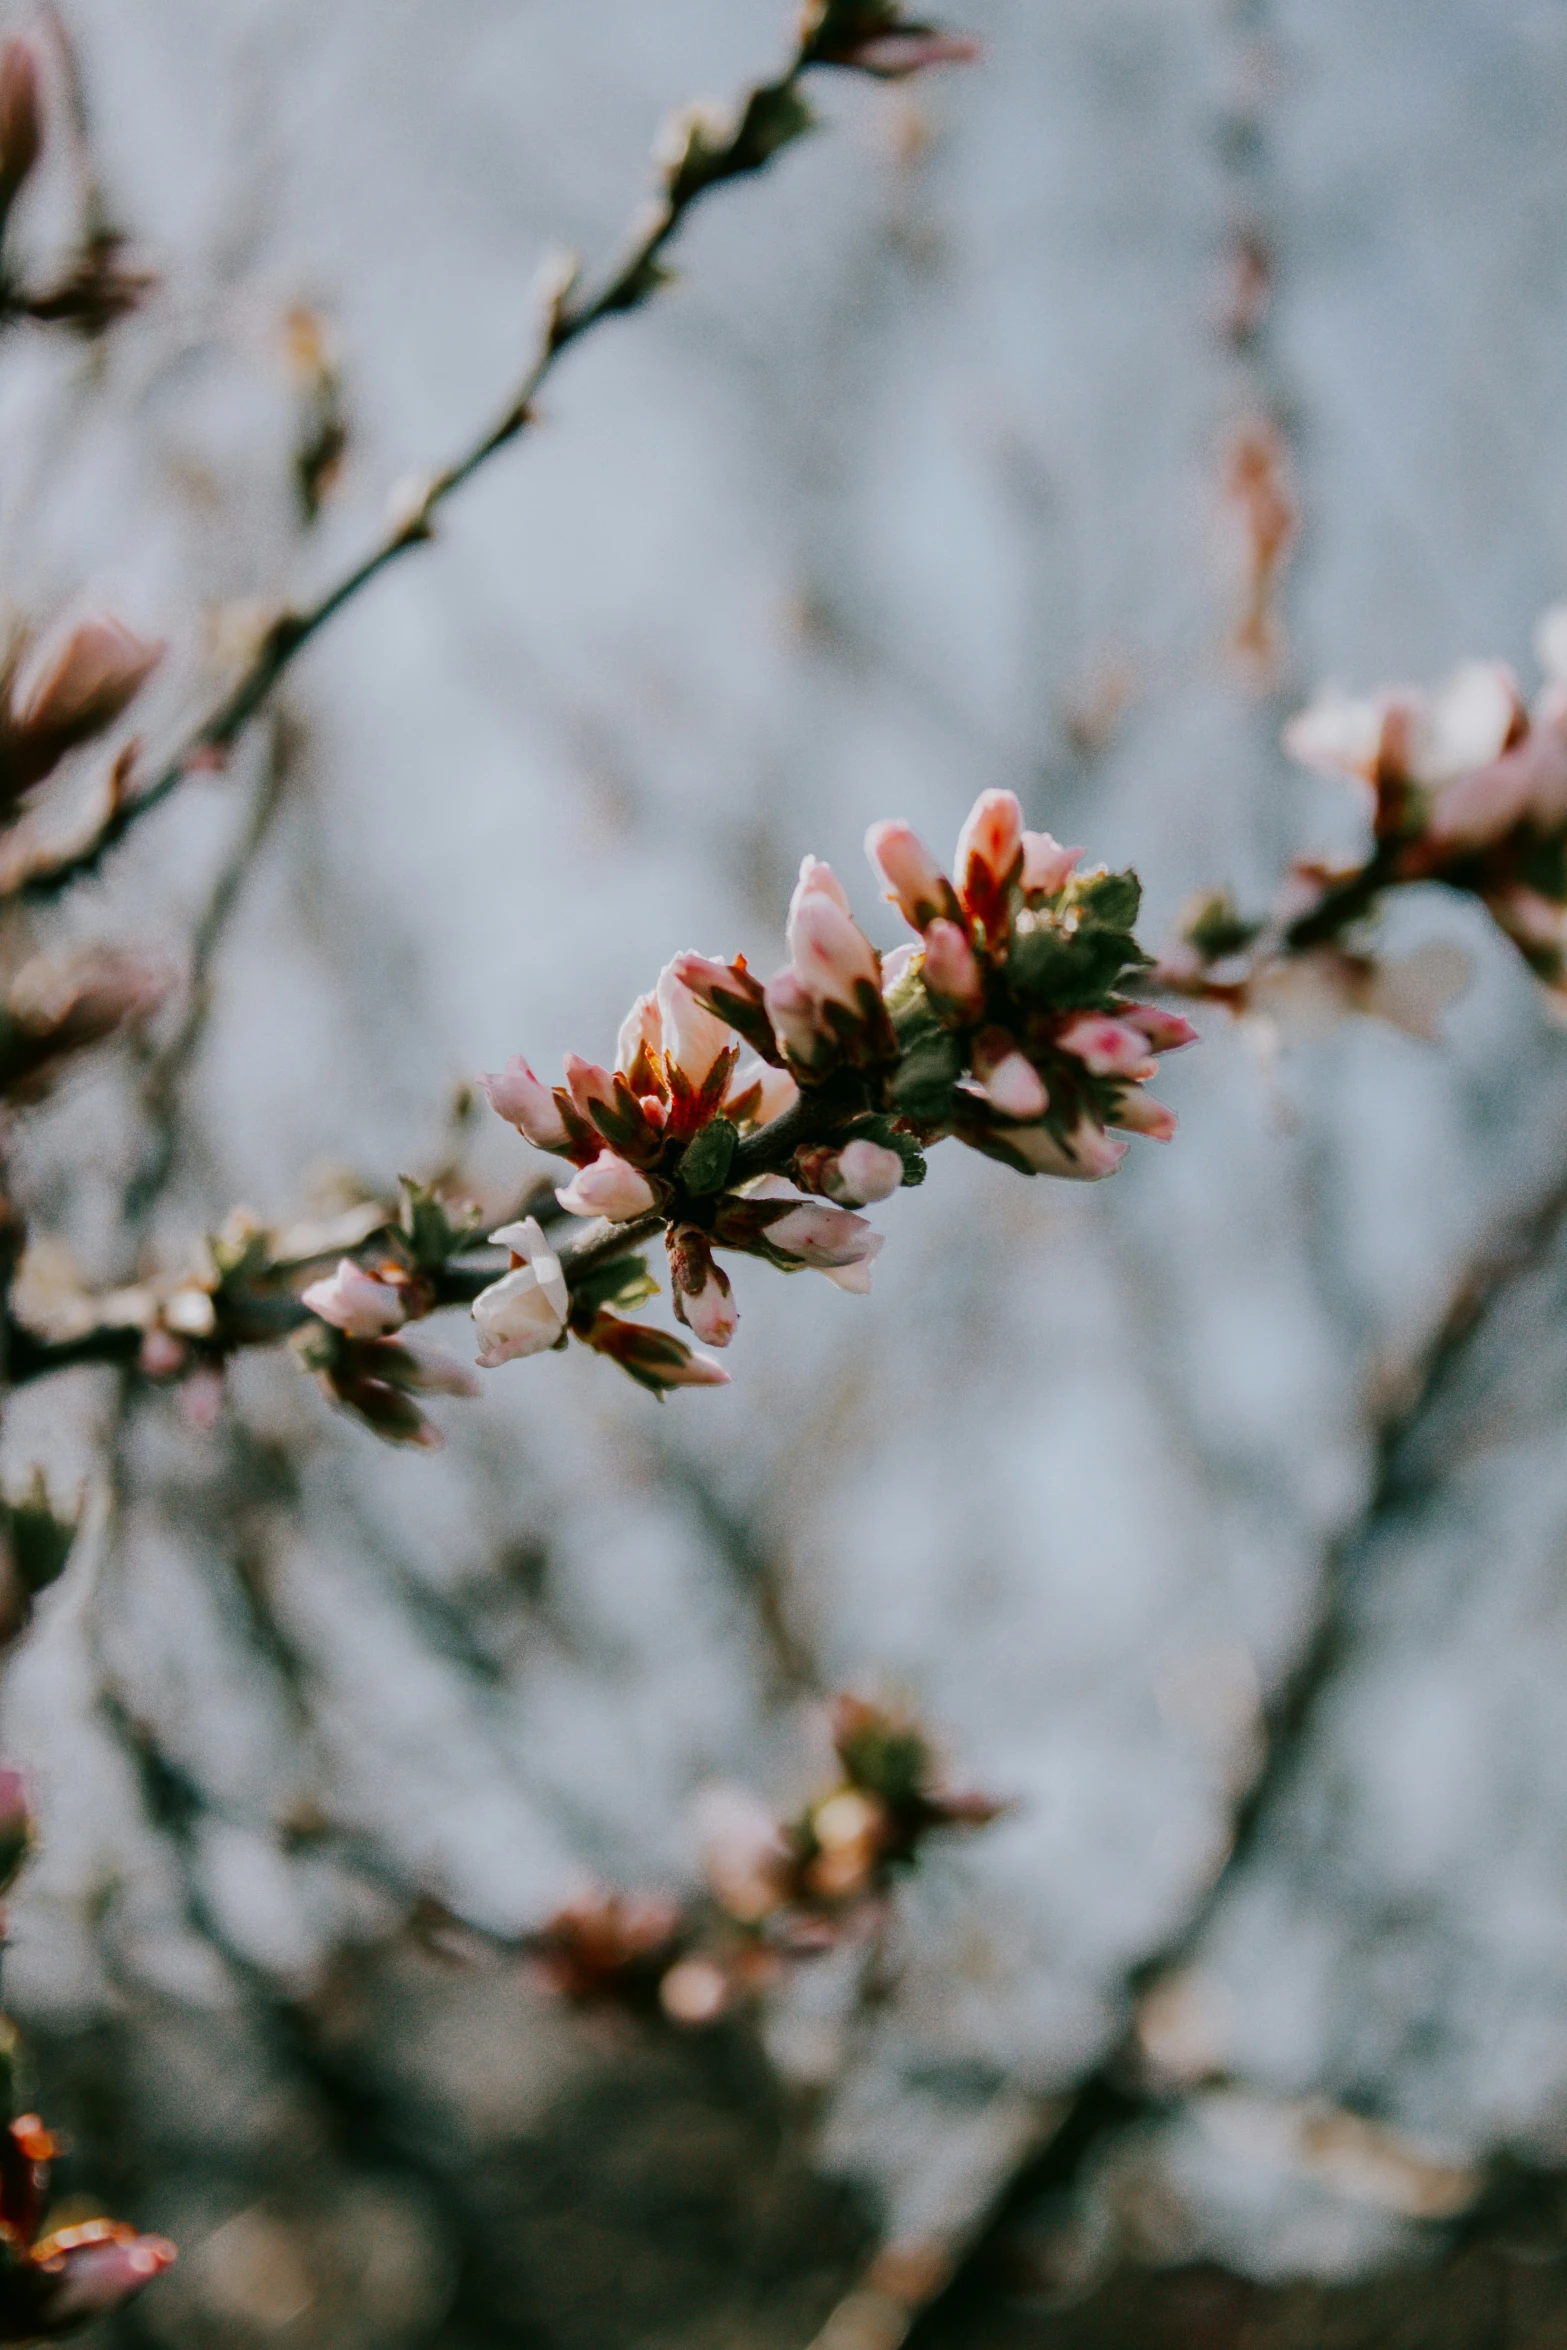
pixel 659 1140
pixel 54 2282
pixel 51 2283
pixel 66 689
pixel 805 1879
pixel 778 1891
pixel 352 1345
pixel 59 694
pixel 1465 785
pixel 1014 1028
pixel 52 1013
pixel 757 1117
pixel 97 284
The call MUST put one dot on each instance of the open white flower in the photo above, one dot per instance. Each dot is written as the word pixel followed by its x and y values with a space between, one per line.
pixel 525 1311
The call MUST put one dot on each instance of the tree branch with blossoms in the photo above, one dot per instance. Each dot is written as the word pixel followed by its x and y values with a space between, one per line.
pixel 739 1119
pixel 753 1119
pixel 1465 785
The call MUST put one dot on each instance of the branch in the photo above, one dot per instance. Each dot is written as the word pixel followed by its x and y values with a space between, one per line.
pixel 697 152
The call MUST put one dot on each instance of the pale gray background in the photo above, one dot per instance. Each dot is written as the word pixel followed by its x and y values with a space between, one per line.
pixel 925 444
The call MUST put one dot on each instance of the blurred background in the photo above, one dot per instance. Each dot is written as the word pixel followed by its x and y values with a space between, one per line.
pixel 1180 1505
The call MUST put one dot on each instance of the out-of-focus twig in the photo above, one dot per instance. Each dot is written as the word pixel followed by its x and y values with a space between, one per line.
pixel 698 151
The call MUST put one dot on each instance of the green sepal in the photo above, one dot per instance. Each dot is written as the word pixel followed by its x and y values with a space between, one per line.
pixel 624 1281
pixel 40 1540
pixel 1113 900
pixel 1215 926
pixel 11 2065
pixel 888 1761
pixel 927 1072
pixel 774 114
pixel 892 1138
pixel 432 1231
pixel 1054 967
pixel 705 1167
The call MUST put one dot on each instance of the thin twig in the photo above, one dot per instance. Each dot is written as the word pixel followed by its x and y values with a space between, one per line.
pixel 565 322
pixel 272 1311
pixel 1108 2099
pixel 168 1067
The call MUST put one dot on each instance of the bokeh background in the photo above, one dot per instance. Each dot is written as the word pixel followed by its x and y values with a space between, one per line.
pixel 920 482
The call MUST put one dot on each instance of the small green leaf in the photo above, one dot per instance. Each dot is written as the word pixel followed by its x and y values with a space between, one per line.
pixel 708 1158
pixel 1216 928
pixel 433 1232
pixel 892 1138
pixel 926 1074
pixel 1112 899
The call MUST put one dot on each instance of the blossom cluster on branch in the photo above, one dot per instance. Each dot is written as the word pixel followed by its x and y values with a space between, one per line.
pixel 754 1119
pixel 55 2275
pixel 1464 784
pixel 778 1891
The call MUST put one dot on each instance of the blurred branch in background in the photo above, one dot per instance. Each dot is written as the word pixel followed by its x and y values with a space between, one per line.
pixel 700 149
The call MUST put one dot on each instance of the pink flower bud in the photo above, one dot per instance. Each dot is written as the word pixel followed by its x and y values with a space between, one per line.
pixel 792 1010
pixel 894 966
pixel 731 993
pixel 828 952
pixel 1083 1156
pixel 85 2272
pixel 21 119
pixel 711 1313
pixel 1016 1088
pixel 823 1236
pixel 952 973
pixel 774 1089
pixel 1086 1156
pixel 1139 1113
pixel 915 883
pixel 693 1036
pixel 818 880
pixel 1106 1046
pixel 641 1031
pixel 856 1278
pixel 587 1083
pixel 893 55
pixel 355 1301
pixel 1526 782
pixel 704 1300
pixel 1165 1031
pixel 990 848
pixel 16 1825
pixel 1047 866
pixel 611 1187
pixel 525 1311
pixel 861 1172
pixel 61 1009
pixel 656 1359
pixel 1340 734
pixel 75 685
pixel 745 1854
pixel 524 1101
pixel 162 1354
pixel 435 1372
pixel 695 1991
